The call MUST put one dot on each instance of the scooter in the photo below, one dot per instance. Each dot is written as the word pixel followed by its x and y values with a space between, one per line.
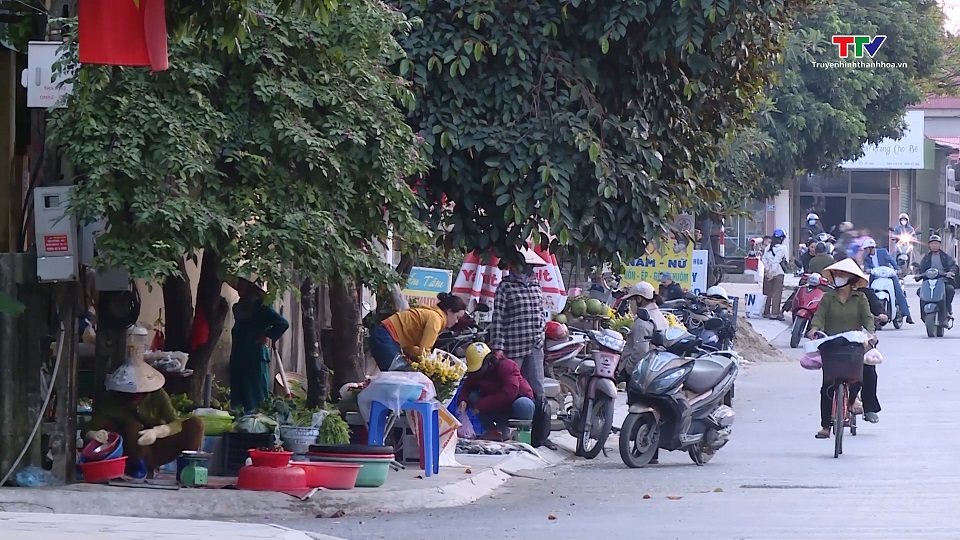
pixel 676 401
pixel 933 302
pixel 591 419
pixel 561 358
pixel 804 307
pixel 881 281
pixel 828 240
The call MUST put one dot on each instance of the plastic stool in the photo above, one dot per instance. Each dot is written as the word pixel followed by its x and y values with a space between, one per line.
pixel 429 430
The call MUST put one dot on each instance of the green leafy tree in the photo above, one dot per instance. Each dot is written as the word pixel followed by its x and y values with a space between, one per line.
pixel 822 115
pixel 282 156
pixel 595 120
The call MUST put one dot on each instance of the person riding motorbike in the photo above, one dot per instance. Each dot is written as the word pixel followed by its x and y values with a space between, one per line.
pixel 821 260
pixel 843 309
pixel 813 228
pixel 869 404
pixel 845 235
pixel 874 257
pixel 904 226
pixel 942 262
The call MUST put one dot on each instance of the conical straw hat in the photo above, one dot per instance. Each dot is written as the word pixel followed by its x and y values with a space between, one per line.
pixel 848 266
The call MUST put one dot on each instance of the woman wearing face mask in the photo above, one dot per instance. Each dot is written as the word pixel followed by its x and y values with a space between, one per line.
pixel 842 309
pixel 774 258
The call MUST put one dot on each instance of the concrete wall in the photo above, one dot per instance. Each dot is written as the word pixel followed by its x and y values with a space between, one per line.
pixel 941 122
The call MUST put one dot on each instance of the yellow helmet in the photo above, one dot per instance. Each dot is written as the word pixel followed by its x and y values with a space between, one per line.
pixel 476 352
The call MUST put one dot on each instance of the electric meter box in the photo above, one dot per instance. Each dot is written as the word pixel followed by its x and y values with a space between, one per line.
pixel 56 234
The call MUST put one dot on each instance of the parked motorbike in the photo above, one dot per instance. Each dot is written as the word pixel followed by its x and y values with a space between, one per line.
pixel 468 330
pixel 561 358
pixel 882 283
pixel 804 307
pixel 933 302
pixel 677 401
pixel 591 418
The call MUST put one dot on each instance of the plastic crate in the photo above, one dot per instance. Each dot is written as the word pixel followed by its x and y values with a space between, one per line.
pixel 236 447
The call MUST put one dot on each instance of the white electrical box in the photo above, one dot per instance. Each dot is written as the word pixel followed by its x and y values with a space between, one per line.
pixel 105 279
pixel 56 234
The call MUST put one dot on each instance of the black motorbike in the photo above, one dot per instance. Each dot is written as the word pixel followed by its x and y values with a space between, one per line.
pixel 466 331
pixel 933 302
pixel 676 400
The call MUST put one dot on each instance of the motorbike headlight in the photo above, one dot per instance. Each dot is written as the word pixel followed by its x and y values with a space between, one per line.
pixel 666 382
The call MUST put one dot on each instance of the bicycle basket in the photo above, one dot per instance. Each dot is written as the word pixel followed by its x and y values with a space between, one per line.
pixel 842 361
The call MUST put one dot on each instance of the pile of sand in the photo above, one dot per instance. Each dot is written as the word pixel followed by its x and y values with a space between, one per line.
pixel 753 347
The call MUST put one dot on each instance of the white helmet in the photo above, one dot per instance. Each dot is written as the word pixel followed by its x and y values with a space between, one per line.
pixel 905 216
pixel 811 216
pixel 718 291
pixel 869 243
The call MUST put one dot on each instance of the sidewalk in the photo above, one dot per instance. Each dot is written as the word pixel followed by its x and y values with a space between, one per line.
pixel 28 526
pixel 405 490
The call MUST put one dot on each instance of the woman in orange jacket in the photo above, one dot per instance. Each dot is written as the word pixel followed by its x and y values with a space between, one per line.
pixel 414 330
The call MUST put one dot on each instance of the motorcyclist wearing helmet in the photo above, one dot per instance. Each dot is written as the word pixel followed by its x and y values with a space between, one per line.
pixel 814 228
pixel 774 259
pixel 845 235
pixel 495 391
pixel 904 226
pixel 942 262
pixel 874 257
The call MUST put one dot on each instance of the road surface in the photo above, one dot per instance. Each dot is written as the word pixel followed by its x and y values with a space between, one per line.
pixel 897 480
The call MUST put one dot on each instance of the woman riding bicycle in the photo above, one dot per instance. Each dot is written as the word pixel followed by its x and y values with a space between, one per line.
pixel 842 309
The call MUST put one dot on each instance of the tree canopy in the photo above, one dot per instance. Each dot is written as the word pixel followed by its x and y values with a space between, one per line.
pixel 595 120
pixel 284 155
pixel 822 115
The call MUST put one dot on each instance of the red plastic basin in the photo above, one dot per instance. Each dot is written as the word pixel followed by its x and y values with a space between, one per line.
pixel 95 451
pixel 330 475
pixel 254 478
pixel 270 459
pixel 95 472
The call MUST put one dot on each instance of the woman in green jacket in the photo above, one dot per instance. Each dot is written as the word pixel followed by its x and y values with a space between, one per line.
pixel 842 309
pixel 254 324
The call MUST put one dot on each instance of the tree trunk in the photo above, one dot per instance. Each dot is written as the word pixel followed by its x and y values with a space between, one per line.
pixel 178 307
pixel 347 360
pixel 316 370
pixel 214 306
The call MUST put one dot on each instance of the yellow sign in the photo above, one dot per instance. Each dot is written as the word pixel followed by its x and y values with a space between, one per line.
pixel 670 255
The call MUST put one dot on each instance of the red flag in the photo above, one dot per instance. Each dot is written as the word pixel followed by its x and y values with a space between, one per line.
pixel 120 33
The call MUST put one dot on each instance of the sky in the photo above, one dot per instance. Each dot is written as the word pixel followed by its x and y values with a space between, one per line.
pixel 952 9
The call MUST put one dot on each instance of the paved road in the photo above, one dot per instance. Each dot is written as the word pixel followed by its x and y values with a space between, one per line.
pixel 898 480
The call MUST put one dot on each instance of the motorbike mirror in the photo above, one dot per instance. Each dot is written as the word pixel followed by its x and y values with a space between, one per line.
pixel 643 314
pixel 482 308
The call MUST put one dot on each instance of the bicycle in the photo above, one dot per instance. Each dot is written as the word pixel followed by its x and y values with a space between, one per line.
pixel 842 416
pixel 843 361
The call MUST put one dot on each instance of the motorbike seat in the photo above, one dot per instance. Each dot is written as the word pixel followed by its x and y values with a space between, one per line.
pixel 707 372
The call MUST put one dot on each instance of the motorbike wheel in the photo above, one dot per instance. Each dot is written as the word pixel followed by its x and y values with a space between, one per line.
pixel 699 456
pixel 930 320
pixel 643 426
pixel 799 328
pixel 600 418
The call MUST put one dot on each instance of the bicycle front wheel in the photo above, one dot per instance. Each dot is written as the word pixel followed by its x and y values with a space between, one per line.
pixel 839 416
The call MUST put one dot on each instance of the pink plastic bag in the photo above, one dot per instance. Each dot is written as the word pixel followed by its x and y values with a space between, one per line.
pixel 811 360
pixel 465 431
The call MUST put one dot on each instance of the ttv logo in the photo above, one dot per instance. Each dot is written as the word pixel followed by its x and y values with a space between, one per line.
pixel 862 45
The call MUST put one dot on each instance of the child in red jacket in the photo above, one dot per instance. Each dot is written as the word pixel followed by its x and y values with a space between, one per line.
pixel 495 390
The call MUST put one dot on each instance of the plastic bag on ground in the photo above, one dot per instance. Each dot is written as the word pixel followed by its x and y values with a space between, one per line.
pixel 34 476
pixel 393 388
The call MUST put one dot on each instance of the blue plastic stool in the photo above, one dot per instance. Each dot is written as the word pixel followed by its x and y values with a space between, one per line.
pixel 429 429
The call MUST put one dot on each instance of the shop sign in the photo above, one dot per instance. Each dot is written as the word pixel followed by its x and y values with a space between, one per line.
pixel 668 255
pixel 424 284
pixel 905 153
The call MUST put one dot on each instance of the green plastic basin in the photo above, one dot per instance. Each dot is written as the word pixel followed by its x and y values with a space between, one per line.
pixel 372 474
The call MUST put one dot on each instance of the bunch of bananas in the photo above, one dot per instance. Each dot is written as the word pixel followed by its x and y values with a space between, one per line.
pixel 442 370
pixel 620 322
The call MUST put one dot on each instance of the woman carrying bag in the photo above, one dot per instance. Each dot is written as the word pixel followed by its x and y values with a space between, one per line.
pixel 774 260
